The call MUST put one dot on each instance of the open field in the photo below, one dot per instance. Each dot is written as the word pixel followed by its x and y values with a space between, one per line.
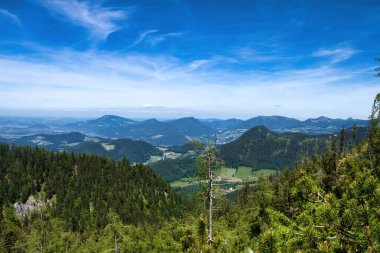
pixel 244 173
pixel 225 173
pixel 264 172
pixel 181 184
pixel 230 178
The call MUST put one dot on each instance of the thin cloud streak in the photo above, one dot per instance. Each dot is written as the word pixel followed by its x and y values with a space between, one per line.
pixel 71 79
pixel 100 21
pixel 248 54
pixel 142 37
pixel 336 55
pixel 154 40
pixel 11 16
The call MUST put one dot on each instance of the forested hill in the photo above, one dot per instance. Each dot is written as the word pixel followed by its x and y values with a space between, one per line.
pixel 260 148
pixel 84 188
pixel 134 151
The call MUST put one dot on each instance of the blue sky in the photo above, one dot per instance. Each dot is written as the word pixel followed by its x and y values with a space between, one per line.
pixel 171 58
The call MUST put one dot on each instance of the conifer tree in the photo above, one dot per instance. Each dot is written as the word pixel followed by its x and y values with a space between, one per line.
pixel 341 141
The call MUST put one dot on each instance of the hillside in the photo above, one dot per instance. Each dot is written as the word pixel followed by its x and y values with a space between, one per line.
pixel 271 122
pixel 172 170
pixel 135 151
pixel 107 125
pixel 53 141
pixel 258 148
pixel 80 184
pixel 192 127
pixel 320 125
pixel 156 132
pixel 325 204
pixel 222 125
pixel 111 126
pixel 261 148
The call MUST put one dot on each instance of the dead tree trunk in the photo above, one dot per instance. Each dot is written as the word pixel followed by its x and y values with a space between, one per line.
pixel 116 244
pixel 210 203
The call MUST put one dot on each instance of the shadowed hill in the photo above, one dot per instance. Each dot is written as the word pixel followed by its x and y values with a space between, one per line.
pixel 135 151
pixel 192 127
pixel 260 148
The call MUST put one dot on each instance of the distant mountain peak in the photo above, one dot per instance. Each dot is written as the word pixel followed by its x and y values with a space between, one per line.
pixel 323 118
pixel 256 132
pixel 77 134
pixel 191 126
pixel 269 122
pixel 187 119
pixel 112 117
pixel 151 121
pixel 259 129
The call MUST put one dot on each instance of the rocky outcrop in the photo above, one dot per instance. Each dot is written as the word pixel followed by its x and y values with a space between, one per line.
pixel 30 205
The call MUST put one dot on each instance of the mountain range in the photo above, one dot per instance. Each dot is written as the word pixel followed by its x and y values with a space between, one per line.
pixel 173 132
pixel 179 131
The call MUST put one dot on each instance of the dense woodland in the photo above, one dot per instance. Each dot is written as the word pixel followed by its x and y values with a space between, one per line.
pixel 172 170
pixel 261 148
pixel 82 191
pixel 326 203
pixel 134 150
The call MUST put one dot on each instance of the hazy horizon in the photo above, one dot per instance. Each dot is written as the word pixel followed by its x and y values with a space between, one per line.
pixel 137 115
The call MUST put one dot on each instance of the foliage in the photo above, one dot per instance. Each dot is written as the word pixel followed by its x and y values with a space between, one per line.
pixel 85 187
pixel 173 170
pixel 135 151
pixel 188 146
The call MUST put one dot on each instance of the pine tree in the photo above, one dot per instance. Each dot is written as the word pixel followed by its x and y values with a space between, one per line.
pixel 374 133
pixel 341 141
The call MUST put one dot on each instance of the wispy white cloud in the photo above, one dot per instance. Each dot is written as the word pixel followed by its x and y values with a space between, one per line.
pixel 10 15
pixel 69 79
pixel 196 64
pixel 249 54
pixel 337 54
pixel 142 37
pixel 100 21
pixel 211 63
pixel 154 40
